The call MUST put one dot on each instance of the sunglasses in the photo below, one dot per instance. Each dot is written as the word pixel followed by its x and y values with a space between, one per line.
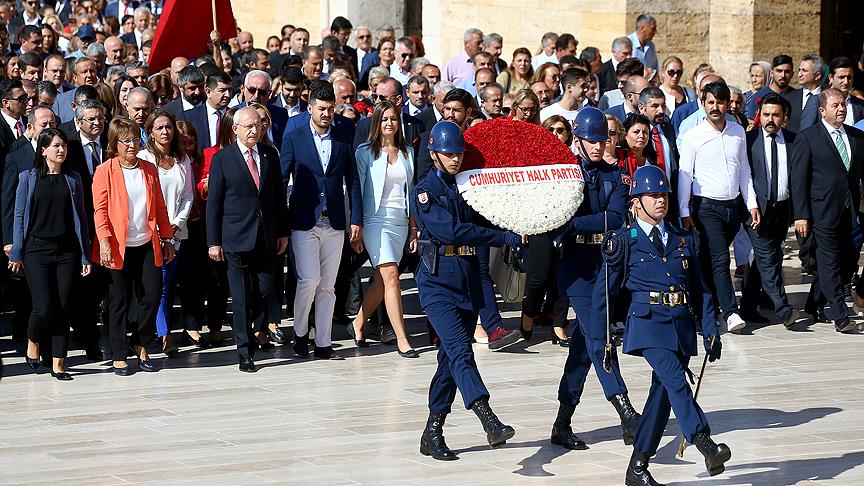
pixel 377 97
pixel 675 72
pixel 405 55
pixel 613 133
pixel 557 130
pixel 254 91
pixel 20 99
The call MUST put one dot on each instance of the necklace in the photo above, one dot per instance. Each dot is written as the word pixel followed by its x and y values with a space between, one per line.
pixel 130 167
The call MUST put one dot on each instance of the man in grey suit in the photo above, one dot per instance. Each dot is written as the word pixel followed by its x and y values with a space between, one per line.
pixel 805 100
pixel 84 73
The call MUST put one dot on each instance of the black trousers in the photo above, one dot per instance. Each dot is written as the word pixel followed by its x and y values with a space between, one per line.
pixel 767 242
pixel 52 268
pixel 717 223
pixel 87 298
pixel 835 260
pixel 134 292
pixel 201 280
pixel 250 278
pixel 541 281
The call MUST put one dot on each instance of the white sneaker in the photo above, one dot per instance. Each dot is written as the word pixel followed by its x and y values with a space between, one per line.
pixel 734 322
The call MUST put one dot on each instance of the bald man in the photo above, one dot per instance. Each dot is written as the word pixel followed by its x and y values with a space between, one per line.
pixel 177 65
pixel 632 88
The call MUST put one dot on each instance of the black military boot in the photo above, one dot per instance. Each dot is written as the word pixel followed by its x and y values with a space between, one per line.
pixel 715 454
pixel 432 442
pixel 496 432
pixel 562 433
pixel 637 471
pixel 629 417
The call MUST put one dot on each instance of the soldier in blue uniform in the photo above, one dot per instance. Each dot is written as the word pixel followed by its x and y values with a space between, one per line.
pixel 655 262
pixel 450 290
pixel 603 208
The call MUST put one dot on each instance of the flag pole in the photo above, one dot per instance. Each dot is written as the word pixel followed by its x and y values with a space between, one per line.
pixel 213 9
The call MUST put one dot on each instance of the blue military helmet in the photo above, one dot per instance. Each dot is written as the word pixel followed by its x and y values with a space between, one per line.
pixel 648 179
pixel 446 137
pixel 590 124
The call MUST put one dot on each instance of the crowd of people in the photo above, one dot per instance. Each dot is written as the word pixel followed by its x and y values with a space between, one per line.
pixel 77 71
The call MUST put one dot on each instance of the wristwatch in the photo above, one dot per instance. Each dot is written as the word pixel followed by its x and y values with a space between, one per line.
pixel 169 241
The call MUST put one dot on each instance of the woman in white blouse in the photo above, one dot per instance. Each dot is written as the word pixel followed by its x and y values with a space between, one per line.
pixel 386 169
pixel 177 182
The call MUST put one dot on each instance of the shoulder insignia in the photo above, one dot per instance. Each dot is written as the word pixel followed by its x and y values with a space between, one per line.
pixel 634 233
pixel 423 198
pixel 626 179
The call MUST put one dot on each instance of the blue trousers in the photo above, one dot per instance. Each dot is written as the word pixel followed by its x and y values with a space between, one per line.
pixel 456 365
pixel 586 350
pixel 163 323
pixel 669 390
pixel 490 318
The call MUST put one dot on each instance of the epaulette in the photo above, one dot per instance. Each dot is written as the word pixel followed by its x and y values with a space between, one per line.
pixel 615 245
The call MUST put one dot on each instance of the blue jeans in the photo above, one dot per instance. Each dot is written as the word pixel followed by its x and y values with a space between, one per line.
pixel 163 325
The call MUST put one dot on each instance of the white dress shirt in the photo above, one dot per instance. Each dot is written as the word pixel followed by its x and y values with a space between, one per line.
pixel 88 152
pixel 806 94
pixel 714 164
pixel 782 168
pixel 843 135
pixel 293 110
pixel 212 122
pixel 244 151
pixel 850 115
pixel 138 36
pixel 398 74
pixel 185 103
pixel 360 55
pixel 12 122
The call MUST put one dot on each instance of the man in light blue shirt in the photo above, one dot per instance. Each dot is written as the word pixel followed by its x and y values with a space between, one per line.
pixel 642 38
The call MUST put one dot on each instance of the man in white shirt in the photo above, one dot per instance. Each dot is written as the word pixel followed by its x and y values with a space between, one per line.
pixel 575 82
pixel 548 53
pixel 643 43
pixel 363 41
pixel 713 169
pixel 401 67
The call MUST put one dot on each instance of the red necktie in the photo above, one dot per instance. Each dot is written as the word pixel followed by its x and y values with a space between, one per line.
pixel 253 169
pixel 658 147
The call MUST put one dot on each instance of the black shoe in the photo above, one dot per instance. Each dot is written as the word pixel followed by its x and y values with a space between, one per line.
pixel 411 353
pixel 527 334
pixel 93 352
pixel 360 343
pixel 790 319
pixel 752 316
pixel 124 371
pixel 629 417
pixel 33 363
pixel 147 365
pixel 266 345
pixel 432 441
pixel 496 433
pixel 564 343
pixel 845 326
pixel 388 336
pixel 341 319
pixel 637 472
pixel 715 454
pixel 562 433
pixel 216 341
pixel 818 315
pixel 278 336
pixel 301 346
pixel 201 343
pixel 327 353
pixel 247 365
pixel 62 376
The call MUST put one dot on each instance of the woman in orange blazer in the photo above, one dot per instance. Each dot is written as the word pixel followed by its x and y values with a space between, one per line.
pixel 133 237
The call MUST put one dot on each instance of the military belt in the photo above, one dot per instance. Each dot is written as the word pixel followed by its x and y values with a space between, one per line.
pixel 670 299
pixel 589 239
pixel 452 250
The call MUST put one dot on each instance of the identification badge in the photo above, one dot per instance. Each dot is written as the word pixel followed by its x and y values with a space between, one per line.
pixel 422 198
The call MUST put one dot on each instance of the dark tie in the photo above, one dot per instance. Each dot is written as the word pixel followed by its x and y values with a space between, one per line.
pixel 810 113
pixel 95 159
pixel 772 188
pixel 658 242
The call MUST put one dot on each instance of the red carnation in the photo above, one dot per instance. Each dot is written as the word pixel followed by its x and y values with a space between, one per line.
pixel 508 143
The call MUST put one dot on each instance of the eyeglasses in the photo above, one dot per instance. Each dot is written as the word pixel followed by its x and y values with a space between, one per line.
pixel 369 36
pixel 254 91
pixel 675 72
pixel 94 119
pixel 129 142
pixel 529 109
pixel 613 133
pixel 557 130
pixel 253 126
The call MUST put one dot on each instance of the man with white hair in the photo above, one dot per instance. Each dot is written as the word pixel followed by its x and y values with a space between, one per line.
pixel 141 18
pixel 257 87
pixel 622 48
pixel 461 66
pixel 433 116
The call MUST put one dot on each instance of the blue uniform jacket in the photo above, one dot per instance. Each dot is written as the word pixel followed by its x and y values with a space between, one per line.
pixel 444 218
pixel 653 325
pixel 23 199
pixel 606 189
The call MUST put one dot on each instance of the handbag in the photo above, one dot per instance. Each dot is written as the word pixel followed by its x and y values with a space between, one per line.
pixel 507 272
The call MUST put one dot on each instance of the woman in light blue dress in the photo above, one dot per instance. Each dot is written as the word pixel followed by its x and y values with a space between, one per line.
pixel 385 166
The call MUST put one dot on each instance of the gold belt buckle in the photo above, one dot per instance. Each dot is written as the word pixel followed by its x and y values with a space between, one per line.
pixel 673 299
pixel 448 250
pixel 654 298
pixel 467 251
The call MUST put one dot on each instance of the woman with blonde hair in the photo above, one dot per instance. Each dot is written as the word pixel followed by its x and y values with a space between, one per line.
pixel 526 107
pixel 671 76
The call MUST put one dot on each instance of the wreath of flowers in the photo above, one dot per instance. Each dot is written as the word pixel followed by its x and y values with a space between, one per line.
pixel 526 208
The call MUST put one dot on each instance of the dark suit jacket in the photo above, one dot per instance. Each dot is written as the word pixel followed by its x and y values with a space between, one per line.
pixel 64 12
pixel 14 27
pixel 819 179
pixel 63 105
pixel 198 118
pixel 669 133
pixel 427 117
pixel 313 187
pixel 617 111
pixel 277 101
pixel 801 118
pixel 17 162
pixel 422 159
pixel 76 159
pixel 857 108
pixel 350 53
pixel 340 123
pixel 606 78
pixel 114 7
pixel 413 127
pixel 761 184
pixel 175 107
pixel 682 112
pixel 234 203
pixel 369 61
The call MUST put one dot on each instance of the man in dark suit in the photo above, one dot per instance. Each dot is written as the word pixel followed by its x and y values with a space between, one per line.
pixel 63 9
pixel 622 48
pixel 321 163
pixel 190 79
pixel 390 89
pixel 207 116
pixel 826 172
pixel 341 29
pixel 457 108
pixel 363 51
pixel 841 77
pixel 631 90
pixel 85 73
pixel 652 104
pixel 804 101
pixel 28 16
pixel 292 86
pixel 769 151
pixel 247 225
pixel 120 8
pixel 341 124
pixel 256 87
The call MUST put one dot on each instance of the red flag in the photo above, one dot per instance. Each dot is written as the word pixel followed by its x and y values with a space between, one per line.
pixel 184 29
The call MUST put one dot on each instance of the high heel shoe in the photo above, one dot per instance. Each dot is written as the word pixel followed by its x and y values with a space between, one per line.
pixel 200 343
pixel 563 342
pixel 526 333
pixel 360 343
pixel 411 353
pixel 170 350
pixel 33 363
pixel 61 375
